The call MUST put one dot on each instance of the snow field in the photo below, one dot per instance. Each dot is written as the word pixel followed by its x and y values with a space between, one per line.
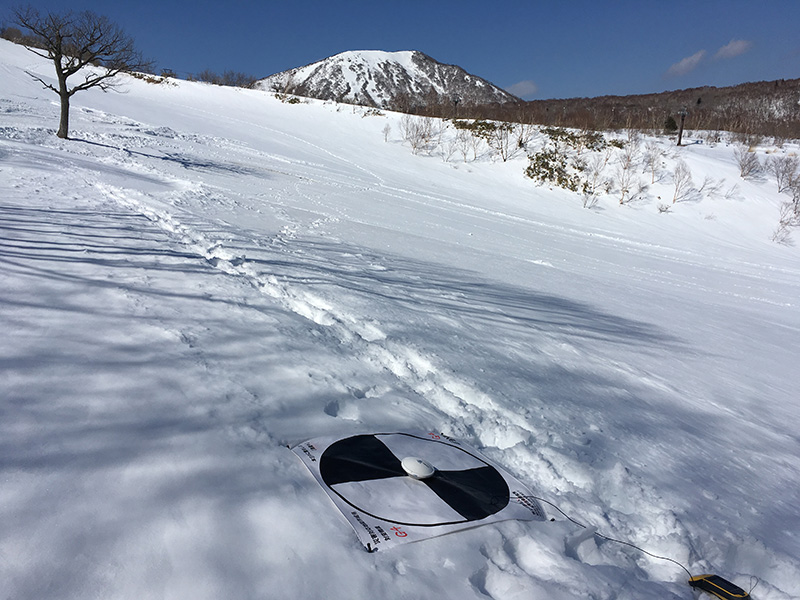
pixel 205 275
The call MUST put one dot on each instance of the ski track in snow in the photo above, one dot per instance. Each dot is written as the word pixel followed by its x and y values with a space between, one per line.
pixel 419 372
pixel 412 368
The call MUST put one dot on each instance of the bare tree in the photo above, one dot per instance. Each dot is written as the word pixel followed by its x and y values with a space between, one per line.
pixel 682 178
pixel 500 140
pixel 625 168
pixel 523 133
pixel 653 154
pixel 748 162
pixel 785 169
pixel 476 144
pixel 594 169
pixel 795 189
pixel 624 176
pixel 228 78
pixel 449 149
pixel 463 142
pixel 594 181
pixel 417 131
pixel 788 219
pixel 82 42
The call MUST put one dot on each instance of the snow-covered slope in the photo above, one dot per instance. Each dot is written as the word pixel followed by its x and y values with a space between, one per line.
pixel 203 276
pixel 385 80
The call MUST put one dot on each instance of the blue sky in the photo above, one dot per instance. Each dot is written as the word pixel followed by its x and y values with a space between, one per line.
pixel 555 49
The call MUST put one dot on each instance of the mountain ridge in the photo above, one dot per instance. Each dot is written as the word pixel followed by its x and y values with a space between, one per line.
pixel 402 80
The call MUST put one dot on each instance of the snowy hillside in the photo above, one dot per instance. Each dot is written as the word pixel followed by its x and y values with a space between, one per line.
pixel 384 79
pixel 204 276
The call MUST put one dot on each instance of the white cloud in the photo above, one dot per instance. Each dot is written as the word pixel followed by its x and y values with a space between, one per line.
pixel 734 48
pixel 687 64
pixel 523 89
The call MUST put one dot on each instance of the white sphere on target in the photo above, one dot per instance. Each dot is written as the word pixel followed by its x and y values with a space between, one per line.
pixel 417 468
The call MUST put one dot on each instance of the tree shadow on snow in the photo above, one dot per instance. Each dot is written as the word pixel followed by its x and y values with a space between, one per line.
pixel 112 428
pixel 182 159
pixel 427 287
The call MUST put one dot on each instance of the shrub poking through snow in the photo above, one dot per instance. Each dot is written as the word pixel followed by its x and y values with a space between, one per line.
pixel 504 139
pixel 417 131
pixel 682 178
pixel 784 168
pixel 560 161
pixel 747 160
pixel 549 165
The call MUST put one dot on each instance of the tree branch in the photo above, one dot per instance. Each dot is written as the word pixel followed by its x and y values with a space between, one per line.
pixel 48 86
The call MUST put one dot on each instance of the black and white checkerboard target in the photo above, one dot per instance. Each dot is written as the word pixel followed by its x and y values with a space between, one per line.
pixel 402 487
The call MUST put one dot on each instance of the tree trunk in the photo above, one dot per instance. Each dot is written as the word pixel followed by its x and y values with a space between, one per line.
pixel 680 130
pixel 63 127
pixel 64 95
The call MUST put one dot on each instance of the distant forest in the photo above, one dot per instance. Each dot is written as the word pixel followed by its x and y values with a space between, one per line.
pixel 765 108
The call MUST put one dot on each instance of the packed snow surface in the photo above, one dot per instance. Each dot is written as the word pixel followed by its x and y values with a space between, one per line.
pixel 203 276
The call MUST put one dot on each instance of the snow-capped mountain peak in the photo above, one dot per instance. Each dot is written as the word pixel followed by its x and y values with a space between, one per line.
pixel 382 79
